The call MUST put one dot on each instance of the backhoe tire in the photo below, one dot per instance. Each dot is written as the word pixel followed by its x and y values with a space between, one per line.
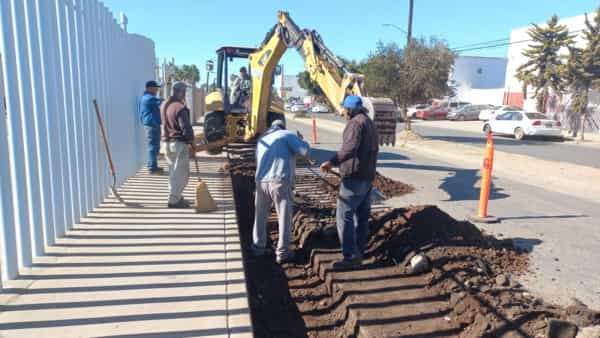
pixel 214 126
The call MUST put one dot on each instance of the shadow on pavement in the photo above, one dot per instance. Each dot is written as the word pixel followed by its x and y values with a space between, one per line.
pixel 527 244
pixel 459 184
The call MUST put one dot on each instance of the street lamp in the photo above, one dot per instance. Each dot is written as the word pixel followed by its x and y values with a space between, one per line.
pixel 209 69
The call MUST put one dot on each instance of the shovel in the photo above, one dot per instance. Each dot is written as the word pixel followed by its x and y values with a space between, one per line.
pixel 376 195
pixel 108 155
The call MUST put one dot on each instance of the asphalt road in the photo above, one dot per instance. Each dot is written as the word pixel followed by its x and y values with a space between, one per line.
pixel 542 149
pixel 560 231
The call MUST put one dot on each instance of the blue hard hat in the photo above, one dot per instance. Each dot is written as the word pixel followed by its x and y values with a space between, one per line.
pixel 352 102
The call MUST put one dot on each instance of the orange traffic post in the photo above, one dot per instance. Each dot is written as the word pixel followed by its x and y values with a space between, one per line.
pixel 486 184
pixel 314 129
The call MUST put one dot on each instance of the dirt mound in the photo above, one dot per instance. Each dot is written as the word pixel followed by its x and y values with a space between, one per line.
pixel 391 188
pixel 387 186
pixel 472 289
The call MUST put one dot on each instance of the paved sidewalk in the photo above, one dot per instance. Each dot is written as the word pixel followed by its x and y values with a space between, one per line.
pixel 142 271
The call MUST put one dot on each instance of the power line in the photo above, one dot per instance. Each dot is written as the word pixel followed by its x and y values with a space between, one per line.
pixel 495 45
pixel 480 43
pixel 490 46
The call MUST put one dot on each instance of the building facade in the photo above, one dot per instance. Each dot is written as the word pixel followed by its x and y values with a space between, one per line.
pixel 556 107
pixel 287 86
pixel 478 80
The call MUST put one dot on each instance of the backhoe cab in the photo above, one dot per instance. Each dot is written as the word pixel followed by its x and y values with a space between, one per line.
pixel 225 121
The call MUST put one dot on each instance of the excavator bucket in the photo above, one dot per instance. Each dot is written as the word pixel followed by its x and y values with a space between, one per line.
pixel 383 112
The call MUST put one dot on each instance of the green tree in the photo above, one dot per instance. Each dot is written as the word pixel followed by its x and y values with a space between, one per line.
pixel 545 68
pixel 305 82
pixel 583 70
pixel 186 73
pixel 414 75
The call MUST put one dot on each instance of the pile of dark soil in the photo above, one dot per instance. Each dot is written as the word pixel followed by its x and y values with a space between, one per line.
pixel 391 188
pixel 387 186
pixel 471 290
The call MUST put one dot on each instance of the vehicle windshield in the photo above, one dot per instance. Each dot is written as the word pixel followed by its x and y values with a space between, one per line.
pixel 536 116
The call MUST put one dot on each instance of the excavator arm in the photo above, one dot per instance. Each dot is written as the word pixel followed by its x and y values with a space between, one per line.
pixel 324 68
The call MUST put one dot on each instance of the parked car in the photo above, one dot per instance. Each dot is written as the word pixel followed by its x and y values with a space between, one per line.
pixel 298 108
pixel 432 113
pixel 488 114
pixel 410 112
pixel 456 105
pixel 468 113
pixel 320 108
pixel 521 124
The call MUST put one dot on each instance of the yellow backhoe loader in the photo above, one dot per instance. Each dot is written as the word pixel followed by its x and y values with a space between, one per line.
pixel 226 122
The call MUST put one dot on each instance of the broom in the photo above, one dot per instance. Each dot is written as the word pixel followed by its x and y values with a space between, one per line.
pixel 203 200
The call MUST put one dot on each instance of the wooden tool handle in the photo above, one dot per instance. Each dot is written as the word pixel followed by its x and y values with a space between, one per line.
pixel 103 132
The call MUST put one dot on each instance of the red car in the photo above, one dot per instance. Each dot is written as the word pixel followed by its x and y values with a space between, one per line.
pixel 432 113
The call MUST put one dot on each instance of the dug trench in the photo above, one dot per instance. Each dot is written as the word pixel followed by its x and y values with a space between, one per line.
pixel 470 289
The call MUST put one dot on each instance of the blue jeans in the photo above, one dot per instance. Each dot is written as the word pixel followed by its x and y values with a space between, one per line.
pixel 353 209
pixel 153 146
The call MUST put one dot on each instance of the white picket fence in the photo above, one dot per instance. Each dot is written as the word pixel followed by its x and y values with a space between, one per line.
pixel 57 56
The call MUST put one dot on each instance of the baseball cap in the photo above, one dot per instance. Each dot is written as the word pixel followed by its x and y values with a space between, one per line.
pixel 152 84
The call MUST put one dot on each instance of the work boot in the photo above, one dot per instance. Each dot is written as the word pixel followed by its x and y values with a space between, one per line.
pixel 182 204
pixel 347 263
pixel 285 258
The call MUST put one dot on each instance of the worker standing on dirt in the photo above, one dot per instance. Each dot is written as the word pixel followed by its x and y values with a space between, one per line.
pixel 178 136
pixel 150 117
pixel 357 160
pixel 276 152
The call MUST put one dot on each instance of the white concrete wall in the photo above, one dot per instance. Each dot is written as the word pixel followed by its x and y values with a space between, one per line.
pixel 475 76
pixel 484 96
pixel 57 56
pixel 519 40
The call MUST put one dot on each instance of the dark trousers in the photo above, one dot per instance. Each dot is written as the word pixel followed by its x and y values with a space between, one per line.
pixel 152 145
pixel 353 209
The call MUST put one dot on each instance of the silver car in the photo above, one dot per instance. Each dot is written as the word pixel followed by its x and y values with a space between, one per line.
pixel 468 113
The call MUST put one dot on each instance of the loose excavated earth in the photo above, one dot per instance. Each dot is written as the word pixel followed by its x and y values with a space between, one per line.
pixel 472 289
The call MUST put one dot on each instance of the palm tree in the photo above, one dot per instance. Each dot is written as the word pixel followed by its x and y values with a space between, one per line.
pixel 545 68
pixel 583 69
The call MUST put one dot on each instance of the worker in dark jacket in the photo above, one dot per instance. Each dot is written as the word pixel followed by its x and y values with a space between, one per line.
pixel 177 137
pixel 357 160
pixel 150 117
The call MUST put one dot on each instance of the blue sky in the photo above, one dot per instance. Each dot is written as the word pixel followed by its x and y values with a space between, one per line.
pixel 191 30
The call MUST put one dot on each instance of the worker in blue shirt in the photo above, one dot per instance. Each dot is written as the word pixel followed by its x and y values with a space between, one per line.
pixel 150 117
pixel 276 152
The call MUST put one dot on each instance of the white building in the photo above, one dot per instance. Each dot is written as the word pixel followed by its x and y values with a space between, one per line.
pixel 287 86
pixel 479 80
pixel 519 40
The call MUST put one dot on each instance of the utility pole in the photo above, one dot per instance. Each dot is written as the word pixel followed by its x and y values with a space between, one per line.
pixel 410 20
pixel 408 44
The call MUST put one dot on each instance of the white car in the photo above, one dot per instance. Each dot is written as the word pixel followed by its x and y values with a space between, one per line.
pixel 521 124
pixel 319 108
pixel 298 108
pixel 410 112
pixel 488 114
